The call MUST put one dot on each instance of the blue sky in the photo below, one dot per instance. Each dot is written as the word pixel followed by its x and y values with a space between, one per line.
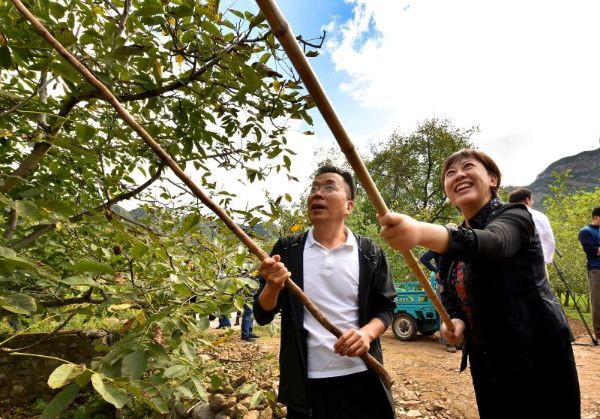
pixel 527 73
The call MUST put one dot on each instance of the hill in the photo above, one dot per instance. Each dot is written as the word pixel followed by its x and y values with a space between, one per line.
pixel 584 169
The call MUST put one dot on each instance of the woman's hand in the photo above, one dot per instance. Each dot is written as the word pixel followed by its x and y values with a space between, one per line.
pixel 400 231
pixel 456 337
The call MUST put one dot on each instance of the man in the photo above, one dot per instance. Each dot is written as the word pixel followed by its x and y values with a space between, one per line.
pixel 542 224
pixel 589 237
pixel 347 277
pixel 426 259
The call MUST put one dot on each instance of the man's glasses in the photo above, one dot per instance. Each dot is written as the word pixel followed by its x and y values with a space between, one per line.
pixel 326 189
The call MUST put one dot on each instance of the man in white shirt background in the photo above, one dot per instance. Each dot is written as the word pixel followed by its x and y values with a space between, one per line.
pixel 542 224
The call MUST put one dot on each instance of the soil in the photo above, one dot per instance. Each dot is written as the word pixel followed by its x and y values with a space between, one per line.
pixel 428 383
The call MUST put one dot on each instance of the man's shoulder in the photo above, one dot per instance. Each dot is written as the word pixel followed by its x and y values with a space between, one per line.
pixel 287 242
pixel 368 247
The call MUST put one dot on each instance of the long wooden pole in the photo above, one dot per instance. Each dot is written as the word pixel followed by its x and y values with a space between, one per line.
pixel 282 30
pixel 168 160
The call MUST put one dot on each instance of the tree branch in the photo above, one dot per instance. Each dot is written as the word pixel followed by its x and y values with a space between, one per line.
pixel 45 338
pixel 39 151
pixel 85 298
pixel 45 228
pixel 11 224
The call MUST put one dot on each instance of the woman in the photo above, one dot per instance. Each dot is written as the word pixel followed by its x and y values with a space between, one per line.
pixel 513 329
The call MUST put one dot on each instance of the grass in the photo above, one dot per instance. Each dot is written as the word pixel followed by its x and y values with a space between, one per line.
pixel 572 313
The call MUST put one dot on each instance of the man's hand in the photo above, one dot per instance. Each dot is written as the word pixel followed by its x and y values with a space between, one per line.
pixel 353 343
pixel 456 337
pixel 274 272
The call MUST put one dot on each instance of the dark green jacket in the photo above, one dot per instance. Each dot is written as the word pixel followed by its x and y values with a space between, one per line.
pixel 376 295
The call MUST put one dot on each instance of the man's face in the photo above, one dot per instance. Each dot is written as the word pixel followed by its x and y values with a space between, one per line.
pixel 596 220
pixel 329 199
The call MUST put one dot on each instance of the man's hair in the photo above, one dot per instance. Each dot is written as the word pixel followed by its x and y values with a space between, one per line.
pixel 519 195
pixel 596 212
pixel 487 162
pixel 347 176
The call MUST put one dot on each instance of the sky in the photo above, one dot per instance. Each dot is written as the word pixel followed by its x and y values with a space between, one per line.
pixel 526 73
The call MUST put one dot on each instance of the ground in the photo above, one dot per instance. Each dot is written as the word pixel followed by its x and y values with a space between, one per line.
pixel 427 382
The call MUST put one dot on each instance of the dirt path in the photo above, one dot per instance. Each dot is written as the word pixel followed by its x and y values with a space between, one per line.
pixel 428 384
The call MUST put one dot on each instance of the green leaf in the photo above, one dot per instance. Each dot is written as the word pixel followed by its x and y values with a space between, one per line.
pixel 184 392
pixel 182 290
pixel 188 350
pixel 215 381
pixel 114 395
pixel 139 249
pixel 18 303
pixel 287 162
pixel 79 280
pixel 7 252
pixel 190 221
pixel 85 132
pixel 251 78
pixel 64 374
pixel 200 388
pixel 257 397
pixel 5 57
pixel 25 208
pixel 135 364
pixel 93 266
pixel 64 35
pixel 60 402
pixel 174 371
pixel 203 323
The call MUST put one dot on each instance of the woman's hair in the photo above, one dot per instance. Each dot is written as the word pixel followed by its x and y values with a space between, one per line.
pixel 481 157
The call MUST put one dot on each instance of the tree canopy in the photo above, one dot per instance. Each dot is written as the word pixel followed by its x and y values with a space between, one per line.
pixel 212 88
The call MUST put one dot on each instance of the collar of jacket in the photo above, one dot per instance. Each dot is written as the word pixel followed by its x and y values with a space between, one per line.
pixel 480 219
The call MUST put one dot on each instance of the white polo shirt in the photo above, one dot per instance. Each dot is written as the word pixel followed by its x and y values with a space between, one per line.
pixel 331 283
pixel 542 225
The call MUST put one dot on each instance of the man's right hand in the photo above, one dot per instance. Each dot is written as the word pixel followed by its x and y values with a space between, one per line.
pixel 274 273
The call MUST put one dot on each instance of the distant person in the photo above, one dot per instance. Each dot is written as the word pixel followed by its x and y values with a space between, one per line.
pixel 224 322
pixel 589 237
pixel 516 337
pixel 247 324
pixel 431 261
pixel 542 224
pixel 348 278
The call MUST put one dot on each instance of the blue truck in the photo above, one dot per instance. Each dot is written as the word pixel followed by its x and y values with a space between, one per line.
pixel 414 311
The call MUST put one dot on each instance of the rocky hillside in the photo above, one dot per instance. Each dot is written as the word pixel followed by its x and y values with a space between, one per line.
pixel 585 174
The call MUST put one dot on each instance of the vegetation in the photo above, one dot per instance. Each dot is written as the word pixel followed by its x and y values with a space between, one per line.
pixel 406 169
pixel 198 78
pixel 568 213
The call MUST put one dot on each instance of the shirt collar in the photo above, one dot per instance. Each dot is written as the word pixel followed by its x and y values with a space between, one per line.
pixel 350 239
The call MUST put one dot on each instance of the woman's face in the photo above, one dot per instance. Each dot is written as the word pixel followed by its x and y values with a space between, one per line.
pixel 468 185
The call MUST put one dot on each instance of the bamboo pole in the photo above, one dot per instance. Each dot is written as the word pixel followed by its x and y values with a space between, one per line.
pixel 282 30
pixel 168 160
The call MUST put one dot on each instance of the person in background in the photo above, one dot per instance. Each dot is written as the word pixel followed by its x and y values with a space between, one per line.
pixel 516 336
pixel 431 260
pixel 589 237
pixel 542 224
pixel 348 278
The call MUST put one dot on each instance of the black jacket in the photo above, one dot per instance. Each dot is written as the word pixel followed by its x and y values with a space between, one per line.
pixel 376 295
pixel 518 323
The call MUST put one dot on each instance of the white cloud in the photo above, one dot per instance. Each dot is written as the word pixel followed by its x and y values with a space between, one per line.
pixel 526 72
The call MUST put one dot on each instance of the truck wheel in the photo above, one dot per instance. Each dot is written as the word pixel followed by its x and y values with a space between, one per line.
pixel 404 327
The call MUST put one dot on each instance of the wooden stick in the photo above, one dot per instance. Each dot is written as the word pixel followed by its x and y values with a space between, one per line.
pixel 281 29
pixel 168 160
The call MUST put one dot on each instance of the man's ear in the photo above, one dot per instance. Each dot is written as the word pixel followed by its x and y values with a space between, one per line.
pixel 349 206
